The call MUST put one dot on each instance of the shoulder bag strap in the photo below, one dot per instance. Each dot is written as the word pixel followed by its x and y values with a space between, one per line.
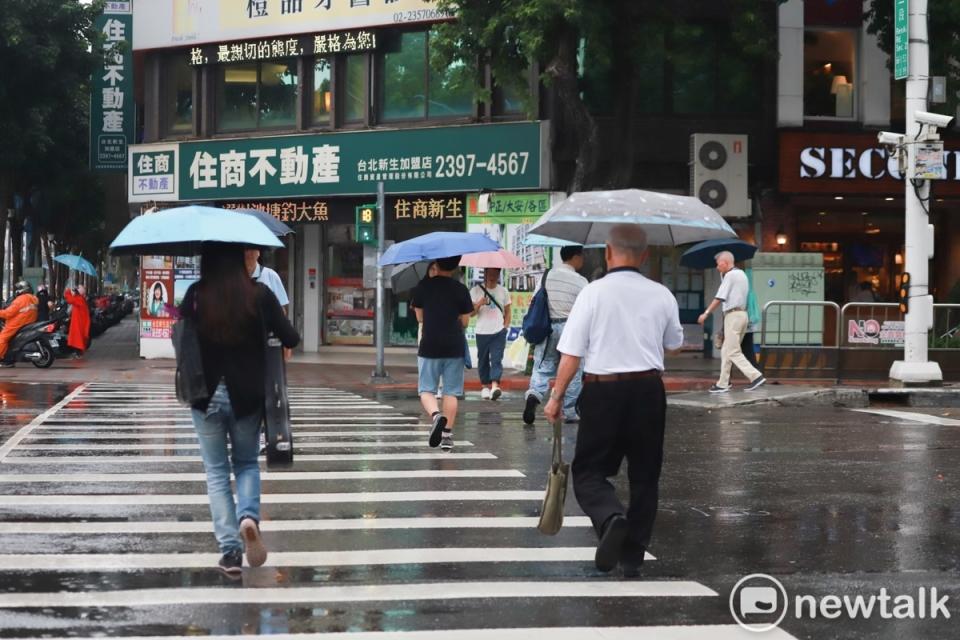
pixel 492 299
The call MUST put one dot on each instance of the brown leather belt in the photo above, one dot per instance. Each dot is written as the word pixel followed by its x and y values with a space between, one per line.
pixel 734 309
pixel 618 377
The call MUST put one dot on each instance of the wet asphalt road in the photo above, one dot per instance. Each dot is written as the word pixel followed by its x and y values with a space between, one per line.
pixel 830 501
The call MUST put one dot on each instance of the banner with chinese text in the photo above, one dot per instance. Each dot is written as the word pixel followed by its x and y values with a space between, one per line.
pixel 428 160
pixel 176 23
pixel 111 98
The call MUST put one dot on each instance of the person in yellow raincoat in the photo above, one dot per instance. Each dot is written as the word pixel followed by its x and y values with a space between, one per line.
pixel 21 312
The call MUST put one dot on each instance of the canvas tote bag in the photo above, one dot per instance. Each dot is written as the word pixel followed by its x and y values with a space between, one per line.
pixel 551 511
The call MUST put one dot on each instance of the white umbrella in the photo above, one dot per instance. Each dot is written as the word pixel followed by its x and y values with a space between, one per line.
pixel 586 218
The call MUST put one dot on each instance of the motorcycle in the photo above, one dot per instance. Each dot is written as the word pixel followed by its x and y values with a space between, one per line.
pixel 35 343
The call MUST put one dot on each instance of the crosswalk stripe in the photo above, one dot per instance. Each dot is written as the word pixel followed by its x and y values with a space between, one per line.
pixel 164 447
pixel 460 590
pixel 677 632
pixel 364 557
pixel 25 431
pixel 915 417
pixel 301 457
pixel 110 428
pixel 330 524
pixel 185 419
pixel 272 498
pixel 265 476
pixel 193 436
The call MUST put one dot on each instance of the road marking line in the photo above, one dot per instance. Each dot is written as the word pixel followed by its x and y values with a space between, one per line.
pixel 265 476
pixel 678 632
pixel 301 457
pixel 171 447
pixel 107 428
pixel 909 415
pixel 332 524
pixel 432 555
pixel 193 436
pixel 138 499
pixel 25 431
pixel 460 590
pixel 185 419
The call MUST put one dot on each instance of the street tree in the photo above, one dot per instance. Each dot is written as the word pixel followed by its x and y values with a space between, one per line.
pixel 507 35
pixel 943 23
pixel 48 51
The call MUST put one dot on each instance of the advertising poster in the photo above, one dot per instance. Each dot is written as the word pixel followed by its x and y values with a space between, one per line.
pixel 350 311
pixel 156 293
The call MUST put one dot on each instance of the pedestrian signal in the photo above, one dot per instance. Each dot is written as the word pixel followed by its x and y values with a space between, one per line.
pixel 904 294
pixel 366 224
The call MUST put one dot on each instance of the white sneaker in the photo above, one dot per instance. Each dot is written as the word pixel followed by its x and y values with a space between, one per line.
pixel 485 393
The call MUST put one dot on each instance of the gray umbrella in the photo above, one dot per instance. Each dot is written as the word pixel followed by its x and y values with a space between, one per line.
pixel 406 276
pixel 278 228
pixel 586 217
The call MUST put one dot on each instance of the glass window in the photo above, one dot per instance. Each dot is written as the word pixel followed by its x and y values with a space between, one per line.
pixel 257 96
pixel 451 92
pixel 237 97
pixel 651 73
pixel 405 78
pixel 177 95
pixel 278 94
pixel 355 84
pixel 828 73
pixel 321 91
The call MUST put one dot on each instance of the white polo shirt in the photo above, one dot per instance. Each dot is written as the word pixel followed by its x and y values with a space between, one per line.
pixel 269 277
pixel 734 290
pixel 622 323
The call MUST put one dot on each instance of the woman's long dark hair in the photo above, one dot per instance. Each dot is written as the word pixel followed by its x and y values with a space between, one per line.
pixel 227 294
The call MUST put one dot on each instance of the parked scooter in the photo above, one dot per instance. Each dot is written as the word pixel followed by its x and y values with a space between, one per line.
pixel 34 343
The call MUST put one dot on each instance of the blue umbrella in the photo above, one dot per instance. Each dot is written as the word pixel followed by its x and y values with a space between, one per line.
pixel 278 228
pixel 439 244
pixel 76 263
pixel 701 255
pixel 182 231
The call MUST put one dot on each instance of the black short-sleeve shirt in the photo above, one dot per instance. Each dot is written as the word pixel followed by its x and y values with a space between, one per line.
pixel 443 300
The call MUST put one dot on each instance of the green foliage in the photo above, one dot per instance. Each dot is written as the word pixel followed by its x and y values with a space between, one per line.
pixel 943 23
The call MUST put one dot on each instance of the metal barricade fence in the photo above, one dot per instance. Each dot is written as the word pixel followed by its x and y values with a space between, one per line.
pixel 871 325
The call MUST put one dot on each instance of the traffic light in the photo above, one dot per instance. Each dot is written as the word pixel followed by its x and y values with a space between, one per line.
pixel 366 224
pixel 903 295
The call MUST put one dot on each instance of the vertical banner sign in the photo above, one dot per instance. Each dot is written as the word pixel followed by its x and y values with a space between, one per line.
pixel 111 99
pixel 901 39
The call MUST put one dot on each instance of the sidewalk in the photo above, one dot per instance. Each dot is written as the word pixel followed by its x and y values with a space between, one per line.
pixel 114 357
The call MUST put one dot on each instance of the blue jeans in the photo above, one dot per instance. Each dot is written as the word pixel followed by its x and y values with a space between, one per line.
pixel 546 362
pixel 490 348
pixel 213 430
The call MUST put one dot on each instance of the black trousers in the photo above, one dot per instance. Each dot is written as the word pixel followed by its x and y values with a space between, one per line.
pixel 623 419
pixel 746 345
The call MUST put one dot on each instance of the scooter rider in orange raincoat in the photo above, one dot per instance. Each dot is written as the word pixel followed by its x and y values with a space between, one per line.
pixel 21 312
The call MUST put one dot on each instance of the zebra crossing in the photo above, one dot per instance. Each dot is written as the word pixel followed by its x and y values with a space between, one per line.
pixel 104 529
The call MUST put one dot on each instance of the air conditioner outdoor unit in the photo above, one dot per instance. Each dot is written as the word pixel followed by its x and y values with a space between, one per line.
pixel 718 172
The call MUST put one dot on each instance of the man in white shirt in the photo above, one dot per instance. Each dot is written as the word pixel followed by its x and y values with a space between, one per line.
pixel 732 295
pixel 620 327
pixel 491 305
pixel 266 276
pixel 563 284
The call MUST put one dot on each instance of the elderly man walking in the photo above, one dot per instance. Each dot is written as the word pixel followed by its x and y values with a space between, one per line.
pixel 732 295
pixel 620 326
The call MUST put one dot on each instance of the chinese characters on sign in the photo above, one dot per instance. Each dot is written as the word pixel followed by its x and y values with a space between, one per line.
pixel 232 167
pixel 289 211
pixel 272 48
pixel 428 209
pixel 152 173
pixel 111 102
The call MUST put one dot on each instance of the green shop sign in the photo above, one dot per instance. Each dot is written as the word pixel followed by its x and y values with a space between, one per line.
pixel 508 208
pixel 428 160
pixel 111 97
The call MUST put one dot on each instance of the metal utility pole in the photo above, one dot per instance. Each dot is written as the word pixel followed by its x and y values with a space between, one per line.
pixel 915 369
pixel 380 373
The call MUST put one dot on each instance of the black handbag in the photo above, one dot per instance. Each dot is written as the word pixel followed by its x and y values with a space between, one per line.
pixel 190 382
pixel 276 410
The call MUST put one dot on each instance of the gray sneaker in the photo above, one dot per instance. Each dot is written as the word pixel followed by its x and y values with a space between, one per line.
pixel 718 389
pixel 756 384
pixel 446 442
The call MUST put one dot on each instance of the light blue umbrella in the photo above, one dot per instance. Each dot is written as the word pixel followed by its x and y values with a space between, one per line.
pixel 701 255
pixel 669 220
pixel 439 244
pixel 76 263
pixel 536 240
pixel 183 230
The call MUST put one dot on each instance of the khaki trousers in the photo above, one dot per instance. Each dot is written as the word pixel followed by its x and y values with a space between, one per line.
pixel 734 325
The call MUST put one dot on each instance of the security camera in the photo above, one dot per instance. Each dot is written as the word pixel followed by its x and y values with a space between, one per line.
pixel 933 119
pixel 889 139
